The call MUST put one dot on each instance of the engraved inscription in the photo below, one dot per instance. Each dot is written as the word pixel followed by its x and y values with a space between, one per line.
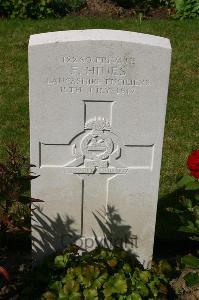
pixel 113 170
pixel 98 71
pixel 80 170
pixel 98 59
pixel 97 76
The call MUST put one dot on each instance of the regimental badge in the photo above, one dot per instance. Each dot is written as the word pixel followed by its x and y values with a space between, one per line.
pixel 97 150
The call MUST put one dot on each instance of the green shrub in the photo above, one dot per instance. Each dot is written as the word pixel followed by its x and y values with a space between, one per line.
pixel 187 9
pixel 100 274
pixel 144 4
pixel 15 204
pixel 38 8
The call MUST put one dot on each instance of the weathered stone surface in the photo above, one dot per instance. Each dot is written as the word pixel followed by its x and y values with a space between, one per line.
pixel 97 112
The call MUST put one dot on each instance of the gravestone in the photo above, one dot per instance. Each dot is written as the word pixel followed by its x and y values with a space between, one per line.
pixel 97 114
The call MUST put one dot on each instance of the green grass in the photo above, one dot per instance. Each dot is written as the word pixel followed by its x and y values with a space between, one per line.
pixel 182 121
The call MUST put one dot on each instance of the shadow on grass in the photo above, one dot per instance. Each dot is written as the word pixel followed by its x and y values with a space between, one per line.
pixel 169 241
pixel 167 223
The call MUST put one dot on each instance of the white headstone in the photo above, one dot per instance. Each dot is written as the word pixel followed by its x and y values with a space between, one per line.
pixel 97 113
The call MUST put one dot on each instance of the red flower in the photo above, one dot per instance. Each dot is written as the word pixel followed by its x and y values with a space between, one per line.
pixel 4 273
pixel 193 163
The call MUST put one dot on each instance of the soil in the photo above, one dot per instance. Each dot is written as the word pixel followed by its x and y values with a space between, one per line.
pixel 15 263
pixel 103 8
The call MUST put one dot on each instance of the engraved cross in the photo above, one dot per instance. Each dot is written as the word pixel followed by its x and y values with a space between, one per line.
pixel 97 156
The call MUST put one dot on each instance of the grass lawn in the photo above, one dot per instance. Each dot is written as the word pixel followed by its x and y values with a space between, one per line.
pixel 182 121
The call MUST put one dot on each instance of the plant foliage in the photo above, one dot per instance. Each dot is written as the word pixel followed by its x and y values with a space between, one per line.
pixel 187 9
pixel 38 8
pixel 187 281
pixel 15 204
pixel 99 274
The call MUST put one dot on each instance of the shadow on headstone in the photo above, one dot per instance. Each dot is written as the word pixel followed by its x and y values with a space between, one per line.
pixel 57 234
pixel 116 233
pixel 51 234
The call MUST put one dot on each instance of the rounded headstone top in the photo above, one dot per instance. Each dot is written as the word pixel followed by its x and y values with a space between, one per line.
pixel 98 35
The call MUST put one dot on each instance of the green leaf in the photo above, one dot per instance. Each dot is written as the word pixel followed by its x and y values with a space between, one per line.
pixel 74 296
pixel 115 285
pixel 108 291
pixel 143 290
pixel 71 286
pixel 188 203
pixel 192 186
pixel 186 229
pixel 49 296
pixel 62 296
pixel 153 285
pixel 164 266
pixel 196 213
pixel 191 279
pixel 127 268
pixel 190 261
pixel 90 294
pixel 68 277
pixel 100 280
pixel 179 4
pixel 197 197
pixel 145 276
pixel 120 285
pixel 56 285
pixel 185 180
pixel 195 238
pixel 61 261
pixel 135 296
